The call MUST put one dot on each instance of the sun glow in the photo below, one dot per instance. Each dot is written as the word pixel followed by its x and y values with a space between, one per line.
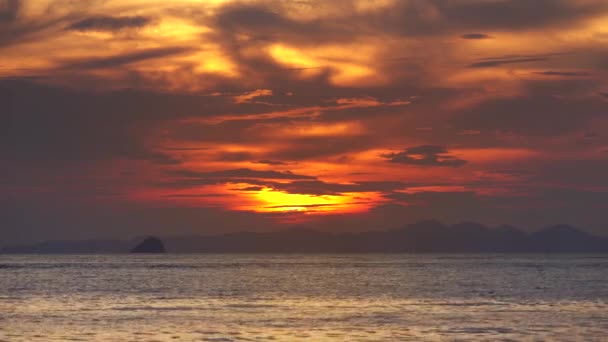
pixel 248 197
pixel 270 200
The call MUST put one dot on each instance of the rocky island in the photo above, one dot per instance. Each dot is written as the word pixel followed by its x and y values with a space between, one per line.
pixel 150 245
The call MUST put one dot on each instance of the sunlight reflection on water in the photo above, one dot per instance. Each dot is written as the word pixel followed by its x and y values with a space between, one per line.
pixel 303 297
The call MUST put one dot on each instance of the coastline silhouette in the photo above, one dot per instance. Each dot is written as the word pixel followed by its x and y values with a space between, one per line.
pixel 422 237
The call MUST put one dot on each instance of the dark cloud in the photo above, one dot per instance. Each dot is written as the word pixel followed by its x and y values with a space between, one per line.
pixel 248 16
pixel 591 135
pixel 9 10
pixel 432 197
pixel 562 73
pixel 264 24
pixel 577 173
pixel 408 18
pixel 425 155
pixel 265 179
pixel 14 31
pixel 196 195
pixel 124 59
pixel 319 188
pixel 251 188
pixel 498 62
pixel 510 14
pixel 79 124
pixel 315 147
pixel 270 162
pixel 106 23
pixel 240 173
pixel 544 109
pixel 33 131
pixel 186 148
pixel 234 156
pixel 313 187
pixel 67 124
pixel 413 17
pixel 475 36
pixel 300 206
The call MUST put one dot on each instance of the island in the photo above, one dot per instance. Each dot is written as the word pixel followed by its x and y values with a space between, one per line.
pixel 150 245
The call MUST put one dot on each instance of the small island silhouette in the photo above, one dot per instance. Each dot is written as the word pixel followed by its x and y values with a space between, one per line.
pixel 150 245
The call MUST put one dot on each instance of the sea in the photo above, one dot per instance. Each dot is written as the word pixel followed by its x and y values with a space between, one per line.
pixel 239 297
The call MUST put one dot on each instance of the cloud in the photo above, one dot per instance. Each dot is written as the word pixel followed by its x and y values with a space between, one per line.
pixel 234 156
pixel 186 148
pixel 432 18
pixel 435 198
pixel 75 125
pixel 196 195
pixel 300 206
pixel 319 188
pixel 514 14
pixel 424 155
pixel 498 62
pixel 17 28
pixel 251 188
pixel 543 109
pixel 106 23
pixel 262 21
pixel 124 59
pixel 249 16
pixel 160 98
pixel 401 18
pixel 289 183
pixel 562 73
pixel 475 36
pixel 307 148
pixel 9 10
pixel 240 173
pixel 270 162
pixel 412 18
pixel 249 96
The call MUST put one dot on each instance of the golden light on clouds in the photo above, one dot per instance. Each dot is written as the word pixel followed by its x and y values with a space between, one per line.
pixel 252 95
pixel 312 129
pixel 293 57
pixel 174 30
pixel 306 107
pixel 348 68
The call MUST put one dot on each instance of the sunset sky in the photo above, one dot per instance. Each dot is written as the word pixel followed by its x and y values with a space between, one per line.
pixel 127 117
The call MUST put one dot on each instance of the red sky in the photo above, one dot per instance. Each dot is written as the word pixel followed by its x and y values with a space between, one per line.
pixel 194 117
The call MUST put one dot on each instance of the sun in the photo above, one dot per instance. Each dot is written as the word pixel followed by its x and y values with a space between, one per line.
pixel 270 200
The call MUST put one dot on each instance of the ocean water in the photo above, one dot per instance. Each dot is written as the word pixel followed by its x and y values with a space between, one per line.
pixel 303 297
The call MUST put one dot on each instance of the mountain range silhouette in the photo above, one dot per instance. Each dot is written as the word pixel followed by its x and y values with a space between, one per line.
pixel 422 237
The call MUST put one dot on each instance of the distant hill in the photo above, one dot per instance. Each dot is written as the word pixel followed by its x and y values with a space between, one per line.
pixel 421 237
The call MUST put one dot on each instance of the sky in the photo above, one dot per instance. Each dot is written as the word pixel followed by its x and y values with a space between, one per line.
pixel 128 117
